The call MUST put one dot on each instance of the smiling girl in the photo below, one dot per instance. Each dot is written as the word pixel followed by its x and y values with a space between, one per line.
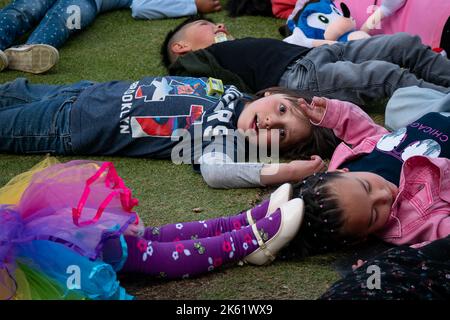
pixel 163 118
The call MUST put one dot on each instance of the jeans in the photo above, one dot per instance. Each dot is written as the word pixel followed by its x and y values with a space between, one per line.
pixel 36 118
pixel 56 20
pixel 363 70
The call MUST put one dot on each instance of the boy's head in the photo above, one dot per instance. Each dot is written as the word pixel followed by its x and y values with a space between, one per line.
pixel 344 207
pixel 194 33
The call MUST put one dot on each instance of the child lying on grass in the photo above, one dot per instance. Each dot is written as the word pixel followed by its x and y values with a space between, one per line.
pixel 78 218
pixel 394 185
pixel 223 134
pixel 359 71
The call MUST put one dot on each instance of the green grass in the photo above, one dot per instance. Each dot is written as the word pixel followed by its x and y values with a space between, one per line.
pixel 117 47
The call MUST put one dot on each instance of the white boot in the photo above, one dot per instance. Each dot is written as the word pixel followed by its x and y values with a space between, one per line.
pixel 292 214
pixel 3 61
pixel 33 58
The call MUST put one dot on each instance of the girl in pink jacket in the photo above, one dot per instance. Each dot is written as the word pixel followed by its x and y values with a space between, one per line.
pixel 395 185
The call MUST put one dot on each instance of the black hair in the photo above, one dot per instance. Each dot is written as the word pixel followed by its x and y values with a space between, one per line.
pixel 238 8
pixel 322 228
pixel 165 55
pixel 322 141
pixel 445 39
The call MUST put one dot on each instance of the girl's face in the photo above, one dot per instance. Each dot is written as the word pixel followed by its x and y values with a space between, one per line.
pixel 274 117
pixel 366 200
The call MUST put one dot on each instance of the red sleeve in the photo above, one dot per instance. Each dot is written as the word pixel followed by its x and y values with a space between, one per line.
pixel 283 8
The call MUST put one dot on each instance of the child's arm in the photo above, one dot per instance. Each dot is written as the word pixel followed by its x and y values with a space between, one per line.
pixel 136 230
pixel 300 39
pixel 219 171
pixel 387 8
pixel 160 9
pixel 294 171
pixel 348 121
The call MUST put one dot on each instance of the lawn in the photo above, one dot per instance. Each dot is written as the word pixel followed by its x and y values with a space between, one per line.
pixel 117 47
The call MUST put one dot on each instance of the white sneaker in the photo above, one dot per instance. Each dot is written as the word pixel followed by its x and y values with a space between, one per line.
pixel 292 214
pixel 280 196
pixel 33 58
pixel 3 61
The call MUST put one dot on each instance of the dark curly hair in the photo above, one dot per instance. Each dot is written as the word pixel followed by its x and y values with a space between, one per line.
pixel 322 228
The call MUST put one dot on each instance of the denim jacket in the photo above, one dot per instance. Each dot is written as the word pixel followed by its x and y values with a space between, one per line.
pixel 421 211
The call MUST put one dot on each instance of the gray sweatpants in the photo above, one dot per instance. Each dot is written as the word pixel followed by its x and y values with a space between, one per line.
pixel 365 70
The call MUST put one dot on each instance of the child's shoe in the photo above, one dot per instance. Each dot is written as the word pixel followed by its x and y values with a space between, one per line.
pixel 291 219
pixel 280 196
pixel 33 58
pixel 3 61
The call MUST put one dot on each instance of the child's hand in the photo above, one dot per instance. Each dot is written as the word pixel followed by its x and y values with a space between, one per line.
pixel 136 230
pixel 303 168
pixel 358 264
pixel 208 6
pixel 314 111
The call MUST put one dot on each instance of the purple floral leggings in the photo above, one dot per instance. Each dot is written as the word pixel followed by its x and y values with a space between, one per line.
pixel 182 250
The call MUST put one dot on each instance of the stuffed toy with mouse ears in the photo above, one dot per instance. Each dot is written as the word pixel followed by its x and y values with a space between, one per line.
pixel 317 22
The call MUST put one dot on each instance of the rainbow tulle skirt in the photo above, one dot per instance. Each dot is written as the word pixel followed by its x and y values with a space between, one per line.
pixel 54 222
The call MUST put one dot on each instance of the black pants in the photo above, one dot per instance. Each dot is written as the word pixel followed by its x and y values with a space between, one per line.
pixel 405 273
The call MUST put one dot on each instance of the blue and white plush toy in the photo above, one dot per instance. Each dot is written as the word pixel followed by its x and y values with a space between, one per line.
pixel 317 22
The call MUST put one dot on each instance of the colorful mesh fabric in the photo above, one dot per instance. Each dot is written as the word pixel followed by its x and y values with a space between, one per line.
pixel 54 221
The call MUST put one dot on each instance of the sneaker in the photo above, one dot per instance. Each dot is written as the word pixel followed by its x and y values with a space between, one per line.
pixel 3 60
pixel 33 58
pixel 280 196
pixel 292 214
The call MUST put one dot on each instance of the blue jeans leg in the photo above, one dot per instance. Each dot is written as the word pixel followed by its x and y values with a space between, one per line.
pixel 19 17
pixel 20 91
pixel 61 22
pixel 36 118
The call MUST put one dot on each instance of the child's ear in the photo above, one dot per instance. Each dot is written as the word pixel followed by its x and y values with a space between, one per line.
pixel 180 47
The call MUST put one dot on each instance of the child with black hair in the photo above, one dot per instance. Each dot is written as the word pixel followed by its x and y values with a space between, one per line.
pixel 394 185
pixel 358 71
pixel 222 134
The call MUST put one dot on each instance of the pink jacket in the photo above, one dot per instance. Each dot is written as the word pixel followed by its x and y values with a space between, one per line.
pixel 421 211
